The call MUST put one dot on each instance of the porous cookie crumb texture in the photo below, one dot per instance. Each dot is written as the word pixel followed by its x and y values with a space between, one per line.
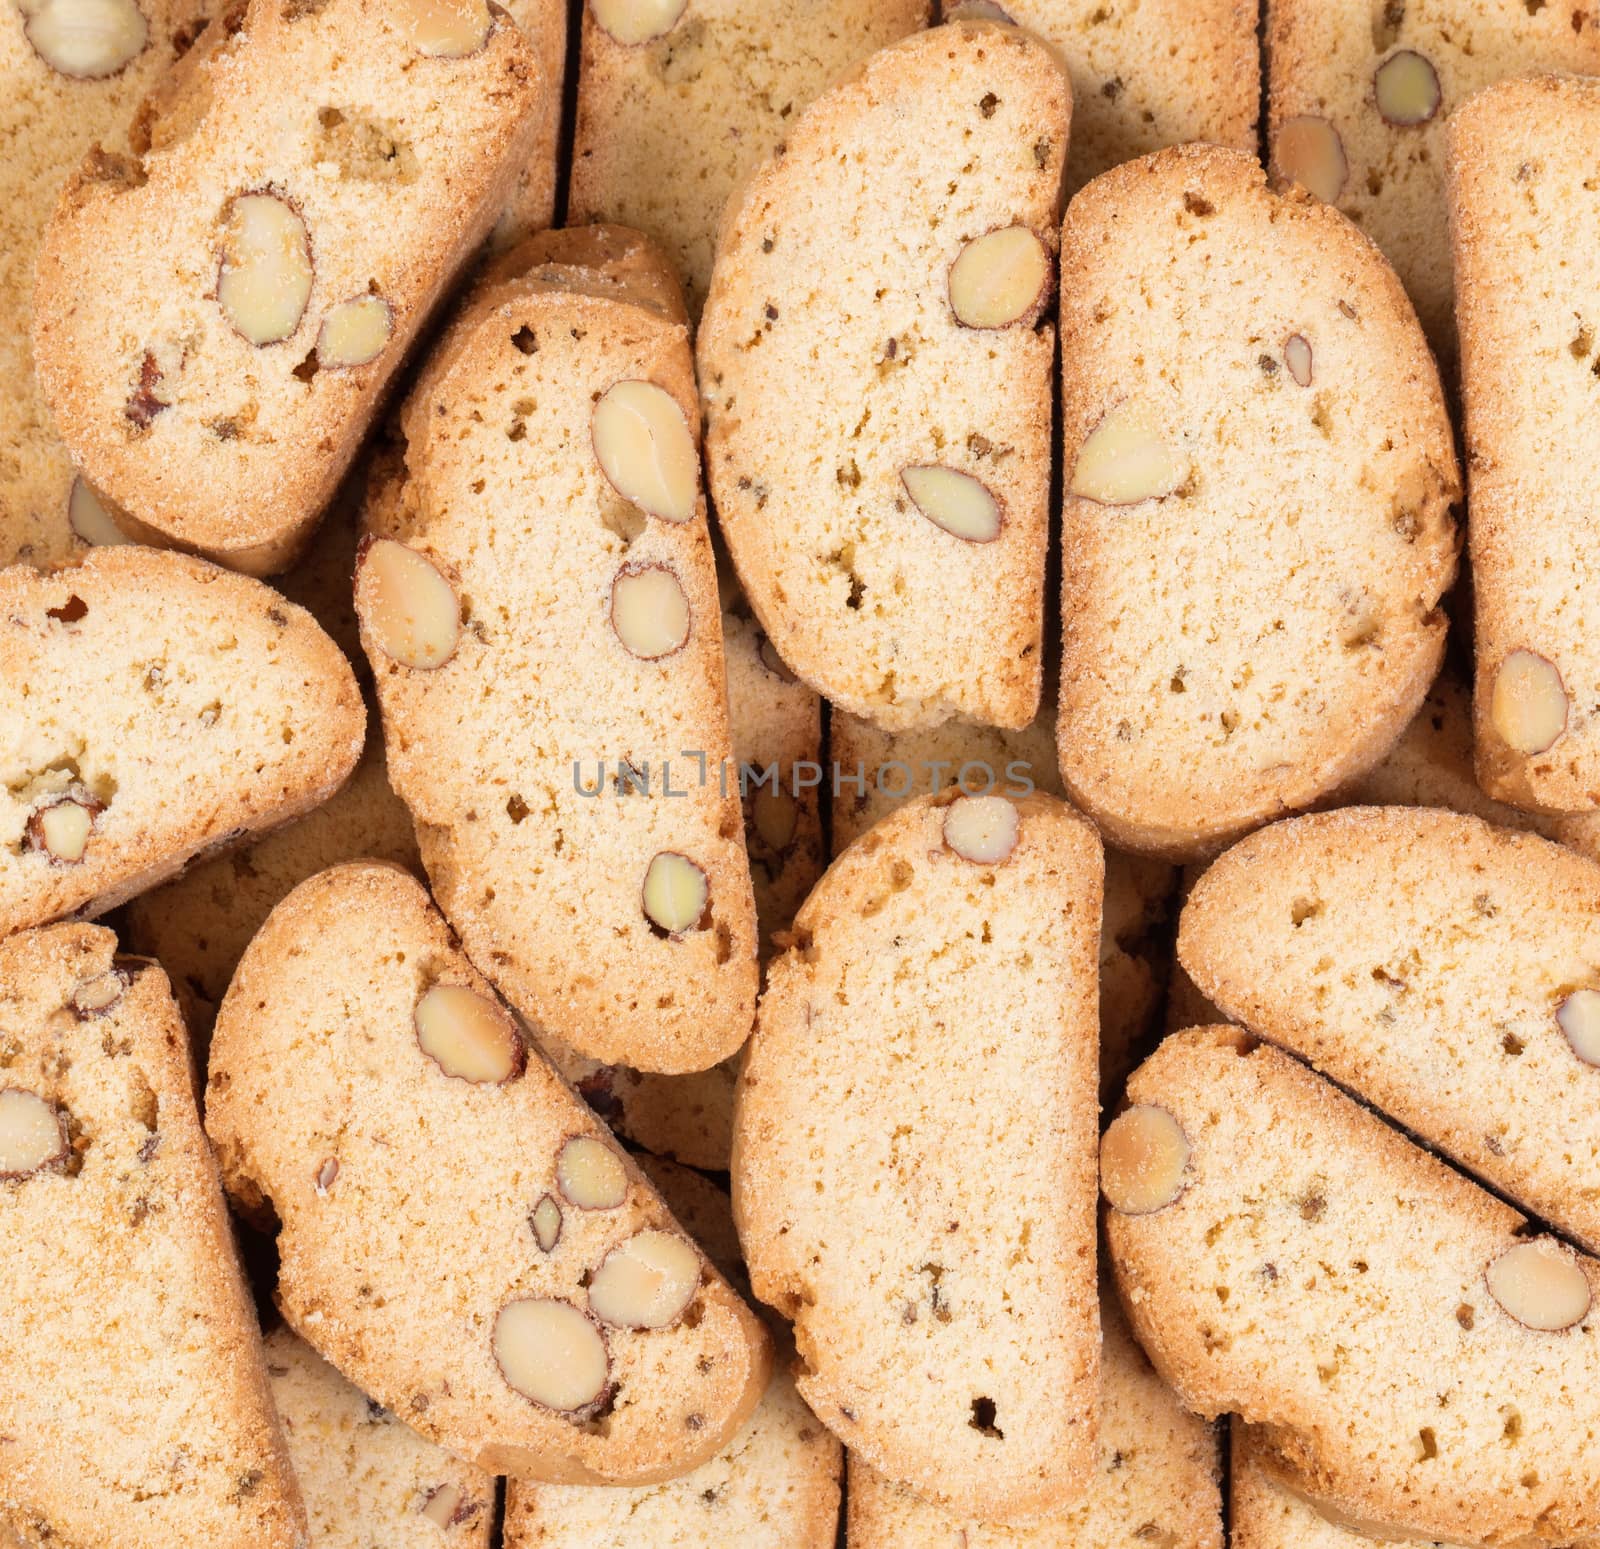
pixel 514 1290
pixel 153 707
pixel 552 682
pixel 1239 643
pixel 367 1478
pixel 533 202
pixel 1437 966
pixel 943 1295
pixel 878 412
pixel 1361 92
pixel 678 102
pixel 127 1288
pixel 71 76
pixel 219 310
pixel 1157 1478
pixel 1524 201
pixel 1275 1245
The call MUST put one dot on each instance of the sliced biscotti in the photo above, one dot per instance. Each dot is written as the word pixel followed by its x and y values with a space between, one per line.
pixel 151 707
pixel 1157 1480
pixel 775 1486
pixel 1416 1358
pixel 460 1236
pixel 539 603
pixel 134 1407
pixel 678 103
pixel 1257 528
pixel 217 316
pixel 1524 201
pixel 1360 95
pixel 875 365
pixel 943 1294
pixel 1446 970
pixel 366 1478
pixel 71 74
pixel 533 203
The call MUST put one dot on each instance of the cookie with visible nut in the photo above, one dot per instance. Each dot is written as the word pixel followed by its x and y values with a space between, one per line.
pixel 218 312
pixel 1523 203
pixel 1436 965
pixel 1360 96
pixel 1235 648
pixel 888 528
pixel 121 1283
pixel 154 708
pixel 1374 1315
pixel 368 1479
pixel 1157 1480
pixel 676 104
pixel 587 844
pixel 513 1289
pixel 943 1294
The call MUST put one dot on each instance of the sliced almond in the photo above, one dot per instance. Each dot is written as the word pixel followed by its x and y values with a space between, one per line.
pixel 645 448
pixel 62 829
pixel 1144 1157
pixel 551 1353
pixel 327 1174
pixel 442 1505
pixel 32 1136
pixel 775 814
pixel 1000 279
pixel 1528 705
pixel 590 1174
pixel 675 893
pixel 1406 87
pixel 355 333
pixel 1126 458
pixel 445 29
pixel 100 995
pixel 1308 150
pixel 86 39
pixel 408 607
pixel 649 611
pixel 962 505
pixel 981 829
pixel 646 1282
pixel 1297 357
pixel 266 275
pixel 1541 1284
pixel 89 519
pixel 631 22
pixel 468 1036
pixel 545 1222
pixel 1578 1016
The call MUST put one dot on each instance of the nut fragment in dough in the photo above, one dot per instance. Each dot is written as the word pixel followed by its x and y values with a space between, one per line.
pixel 645 1282
pixel 1000 278
pixel 86 39
pixel 960 504
pixel 1528 705
pixel 446 29
pixel 1309 151
pixel 1144 1156
pixel 1297 357
pixel 100 995
pixel 354 333
pixel 89 519
pixel 549 1352
pixel 981 829
pixel 266 274
pixel 645 449
pixel 1406 87
pixel 590 1174
pixel 675 893
pixel 1541 1284
pixel 632 22
pixel 467 1036
pixel 649 611
pixel 1579 1018
pixel 546 1223
pixel 1125 459
pixel 408 607
pixel 32 1135
pixel 62 829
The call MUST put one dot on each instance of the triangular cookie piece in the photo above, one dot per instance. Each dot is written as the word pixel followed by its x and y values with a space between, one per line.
pixel 460 1236
pixel 133 1397
pixel 913 1150
pixel 152 707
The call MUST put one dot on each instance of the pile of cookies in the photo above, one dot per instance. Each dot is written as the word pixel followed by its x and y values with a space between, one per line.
pixel 749 796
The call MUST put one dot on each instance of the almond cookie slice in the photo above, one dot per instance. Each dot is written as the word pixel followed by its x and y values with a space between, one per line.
pixel 367 1479
pixel 1211 327
pixel 943 1294
pixel 875 368
pixel 775 1486
pixel 552 688
pixel 71 74
pixel 218 314
pixel 1360 94
pixel 1524 202
pixel 1157 1481
pixel 134 1407
pixel 152 707
pixel 1417 1360
pixel 1446 970
pixel 678 103
pixel 460 1236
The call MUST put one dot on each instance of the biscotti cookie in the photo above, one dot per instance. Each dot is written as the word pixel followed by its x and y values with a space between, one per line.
pixel 1359 96
pixel 1416 1358
pixel 460 1236
pixel 1524 204
pixel 875 369
pixel 678 102
pixel 552 685
pixel 1441 968
pixel 943 1294
pixel 151 707
pixel 217 316
pixel 71 74
pixel 1158 1479
pixel 533 204
pixel 1238 646
pixel 134 1407
pixel 775 1486
pixel 370 1482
